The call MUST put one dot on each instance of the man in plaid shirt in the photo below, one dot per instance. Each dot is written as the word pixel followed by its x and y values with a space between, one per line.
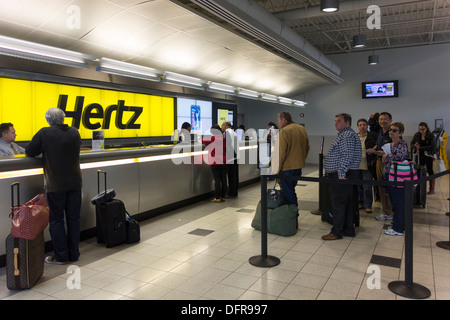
pixel 342 162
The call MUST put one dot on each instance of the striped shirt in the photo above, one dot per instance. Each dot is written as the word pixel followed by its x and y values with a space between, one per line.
pixel 345 153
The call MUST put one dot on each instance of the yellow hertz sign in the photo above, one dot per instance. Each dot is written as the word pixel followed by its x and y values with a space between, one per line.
pixel 119 114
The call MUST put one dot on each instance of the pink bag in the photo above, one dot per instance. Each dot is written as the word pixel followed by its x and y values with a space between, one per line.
pixel 29 219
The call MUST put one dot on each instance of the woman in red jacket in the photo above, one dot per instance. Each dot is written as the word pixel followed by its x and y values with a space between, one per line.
pixel 215 145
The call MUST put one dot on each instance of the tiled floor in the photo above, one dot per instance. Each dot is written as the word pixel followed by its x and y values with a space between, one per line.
pixel 202 252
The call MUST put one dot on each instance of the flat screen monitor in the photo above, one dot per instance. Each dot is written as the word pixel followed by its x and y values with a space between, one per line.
pixel 198 113
pixel 379 89
pixel 224 115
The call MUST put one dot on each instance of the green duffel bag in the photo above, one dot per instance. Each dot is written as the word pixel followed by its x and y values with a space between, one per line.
pixel 281 221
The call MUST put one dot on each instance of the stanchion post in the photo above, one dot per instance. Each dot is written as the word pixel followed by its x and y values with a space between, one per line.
pixel 408 288
pixel 264 260
pixel 446 244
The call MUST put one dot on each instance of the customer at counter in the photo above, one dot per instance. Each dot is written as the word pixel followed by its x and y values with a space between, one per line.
pixel 59 145
pixel 232 149
pixel 7 145
pixel 217 160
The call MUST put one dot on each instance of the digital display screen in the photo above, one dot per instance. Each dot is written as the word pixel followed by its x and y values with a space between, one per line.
pixel 381 89
pixel 198 113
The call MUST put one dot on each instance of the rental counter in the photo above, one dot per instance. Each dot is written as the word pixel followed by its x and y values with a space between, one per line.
pixel 149 180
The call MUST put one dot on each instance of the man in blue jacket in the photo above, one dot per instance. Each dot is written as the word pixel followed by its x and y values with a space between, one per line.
pixel 59 145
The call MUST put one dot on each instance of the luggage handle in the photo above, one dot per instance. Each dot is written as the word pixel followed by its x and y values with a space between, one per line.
pixel 14 184
pixel 98 181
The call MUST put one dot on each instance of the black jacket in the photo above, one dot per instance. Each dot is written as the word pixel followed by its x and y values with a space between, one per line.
pixel 370 142
pixel 60 149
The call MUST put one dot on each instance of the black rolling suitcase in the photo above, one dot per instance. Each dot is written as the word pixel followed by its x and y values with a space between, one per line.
pixel 110 219
pixel 326 206
pixel 24 259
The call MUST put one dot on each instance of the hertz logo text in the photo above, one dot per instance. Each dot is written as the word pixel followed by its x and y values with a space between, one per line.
pixel 93 111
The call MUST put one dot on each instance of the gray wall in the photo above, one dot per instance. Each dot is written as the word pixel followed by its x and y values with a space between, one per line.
pixel 424 94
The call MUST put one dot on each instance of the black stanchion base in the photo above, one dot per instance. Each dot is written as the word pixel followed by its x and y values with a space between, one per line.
pixel 264 262
pixel 443 244
pixel 317 212
pixel 415 291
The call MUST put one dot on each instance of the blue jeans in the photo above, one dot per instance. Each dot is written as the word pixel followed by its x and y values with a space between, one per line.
pixel 65 205
pixel 288 186
pixel 397 196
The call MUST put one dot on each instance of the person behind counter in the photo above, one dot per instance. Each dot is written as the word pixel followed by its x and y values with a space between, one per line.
pixel 59 145
pixel 185 134
pixel 7 145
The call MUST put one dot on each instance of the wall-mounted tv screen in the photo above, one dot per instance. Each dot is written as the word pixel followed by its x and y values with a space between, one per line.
pixel 379 89
pixel 198 113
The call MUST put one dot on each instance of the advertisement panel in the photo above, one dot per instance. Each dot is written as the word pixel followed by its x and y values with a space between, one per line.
pixel 119 114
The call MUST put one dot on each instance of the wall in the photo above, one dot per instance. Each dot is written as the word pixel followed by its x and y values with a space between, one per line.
pixel 424 82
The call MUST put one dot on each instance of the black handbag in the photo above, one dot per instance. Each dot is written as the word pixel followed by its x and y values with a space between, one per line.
pixel 275 197
pixel 133 230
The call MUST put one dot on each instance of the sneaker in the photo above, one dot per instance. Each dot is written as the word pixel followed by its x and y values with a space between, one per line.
pixel 392 232
pixel 368 210
pixel 216 200
pixel 384 217
pixel 52 260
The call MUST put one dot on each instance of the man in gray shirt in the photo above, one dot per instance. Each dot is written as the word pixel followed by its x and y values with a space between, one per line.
pixel 7 145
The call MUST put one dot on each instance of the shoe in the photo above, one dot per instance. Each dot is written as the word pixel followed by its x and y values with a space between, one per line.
pixel 52 260
pixel 392 232
pixel 368 210
pixel 216 200
pixel 360 207
pixel 384 217
pixel 330 236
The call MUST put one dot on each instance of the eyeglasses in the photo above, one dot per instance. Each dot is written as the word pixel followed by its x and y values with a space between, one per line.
pixel 394 130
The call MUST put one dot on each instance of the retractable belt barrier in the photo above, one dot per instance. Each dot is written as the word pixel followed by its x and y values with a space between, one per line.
pixel 406 288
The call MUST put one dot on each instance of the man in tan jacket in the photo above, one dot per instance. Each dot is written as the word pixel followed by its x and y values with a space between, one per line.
pixel 290 153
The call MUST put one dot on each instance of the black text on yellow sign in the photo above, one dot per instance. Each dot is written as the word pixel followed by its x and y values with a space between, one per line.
pixel 96 111
pixel 120 114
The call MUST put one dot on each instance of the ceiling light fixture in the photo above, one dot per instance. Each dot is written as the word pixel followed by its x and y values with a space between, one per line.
pixel 128 70
pixel 373 59
pixel 359 40
pixel 248 93
pixel 185 81
pixel 329 5
pixel 269 97
pixel 220 88
pixel 39 52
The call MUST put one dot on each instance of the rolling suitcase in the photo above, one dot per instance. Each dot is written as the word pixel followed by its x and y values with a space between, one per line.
pixel 110 219
pixel 326 205
pixel 24 258
pixel 24 261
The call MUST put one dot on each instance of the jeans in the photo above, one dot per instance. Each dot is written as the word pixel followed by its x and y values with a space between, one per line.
pixel 288 186
pixel 397 196
pixel 219 173
pixel 65 205
pixel 233 179
pixel 344 199
pixel 365 190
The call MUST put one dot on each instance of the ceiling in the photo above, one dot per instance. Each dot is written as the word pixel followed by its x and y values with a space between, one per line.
pixel 403 23
pixel 280 47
